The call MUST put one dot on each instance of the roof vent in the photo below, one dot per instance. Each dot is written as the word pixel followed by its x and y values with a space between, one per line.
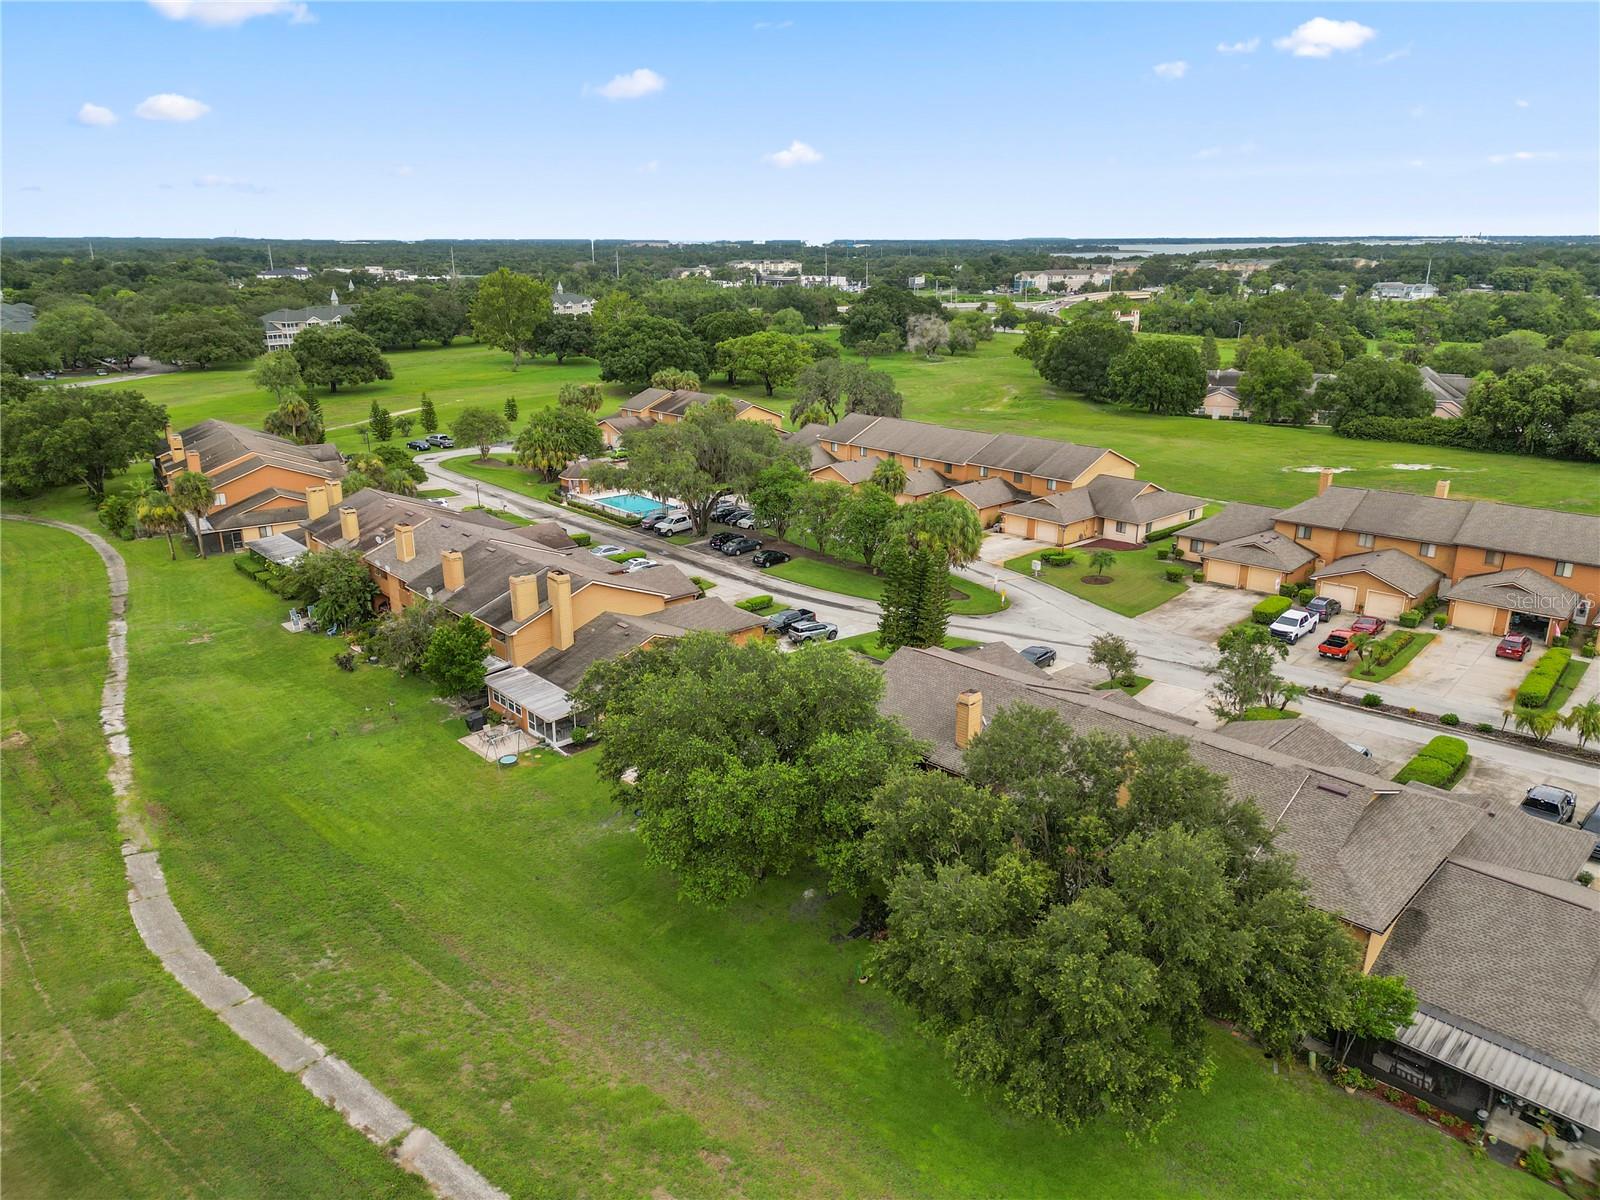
pixel 1327 786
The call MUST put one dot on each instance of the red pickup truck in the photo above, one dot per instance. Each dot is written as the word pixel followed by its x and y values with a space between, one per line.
pixel 1337 644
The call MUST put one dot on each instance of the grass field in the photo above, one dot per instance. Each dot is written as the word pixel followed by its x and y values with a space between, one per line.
pixel 118 1082
pixel 491 948
pixel 850 580
pixel 868 644
pixel 1138 580
pixel 991 389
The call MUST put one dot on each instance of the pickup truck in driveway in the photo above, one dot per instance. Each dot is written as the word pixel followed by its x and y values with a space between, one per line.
pixel 1294 625
pixel 1337 644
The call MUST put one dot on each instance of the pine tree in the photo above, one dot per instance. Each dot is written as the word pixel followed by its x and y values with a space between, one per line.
pixel 932 615
pixel 511 408
pixel 382 423
pixel 429 418
pixel 896 627
pixel 1209 354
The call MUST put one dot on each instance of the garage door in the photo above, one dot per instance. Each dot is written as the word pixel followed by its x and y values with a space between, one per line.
pixel 1479 617
pixel 1262 579
pixel 1016 526
pixel 1342 592
pixel 1384 604
pixel 1225 573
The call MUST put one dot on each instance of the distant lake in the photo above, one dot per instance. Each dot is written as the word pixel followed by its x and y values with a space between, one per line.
pixel 1140 249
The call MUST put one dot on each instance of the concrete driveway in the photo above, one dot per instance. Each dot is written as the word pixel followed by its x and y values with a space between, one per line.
pixel 1206 611
pixel 1458 671
pixel 1002 547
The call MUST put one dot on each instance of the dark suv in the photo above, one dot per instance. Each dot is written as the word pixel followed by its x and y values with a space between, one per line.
pixel 1325 607
pixel 779 622
pixel 1550 803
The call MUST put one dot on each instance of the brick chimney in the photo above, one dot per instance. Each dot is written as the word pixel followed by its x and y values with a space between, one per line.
pixel 405 543
pixel 455 570
pixel 1323 481
pixel 524 597
pixel 335 491
pixel 1442 489
pixel 174 439
pixel 969 718
pixel 191 460
pixel 560 585
pixel 349 524
pixel 316 503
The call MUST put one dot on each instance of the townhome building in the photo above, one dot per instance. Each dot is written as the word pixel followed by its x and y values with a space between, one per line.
pixel 1474 903
pixel 659 405
pixel 1498 567
pixel 1031 487
pixel 281 326
pixel 258 481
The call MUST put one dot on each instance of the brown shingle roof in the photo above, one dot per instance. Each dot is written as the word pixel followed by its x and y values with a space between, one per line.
pixel 1270 549
pixel 1394 567
pixel 1303 738
pixel 1234 521
pixel 940 444
pixel 1519 589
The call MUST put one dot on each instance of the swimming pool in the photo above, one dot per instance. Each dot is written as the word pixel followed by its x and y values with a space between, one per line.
pixel 631 503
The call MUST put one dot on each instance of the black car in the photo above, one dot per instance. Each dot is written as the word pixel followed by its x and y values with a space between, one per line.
pixel 719 540
pixel 1324 606
pixel 1591 826
pixel 419 444
pixel 1039 656
pixel 740 545
pixel 768 558
pixel 779 622
pixel 721 509
pixel 1550 803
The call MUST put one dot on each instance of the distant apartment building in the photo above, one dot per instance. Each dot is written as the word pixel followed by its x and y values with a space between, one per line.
pixel 283 325
pixel 297 273
pixel 570 304
pixel 767 266
pixel 700 272
pixel 1404 291
pixel 1059 278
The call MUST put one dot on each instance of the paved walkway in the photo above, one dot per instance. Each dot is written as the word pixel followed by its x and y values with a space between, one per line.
pixel 330 1079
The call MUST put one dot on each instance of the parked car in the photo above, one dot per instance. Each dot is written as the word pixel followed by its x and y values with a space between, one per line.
pixel 1514 646
pixel 740 518
pixel 802 632
pixel 1039 656
pixel 1591 825
pixel 1293 625
pixel 442 441
pixel 1325 607
pixel 605 549
pixel 768 558
pixel 1359 749
pixel 1368 625
pixel 718 540
pixel 639 564
pixel 1337 644
pixel 1550 803
pixel 740 545
pixel 655 515
pixel 779 622
pixel 723 507
pixel 674 523
pixel 419 444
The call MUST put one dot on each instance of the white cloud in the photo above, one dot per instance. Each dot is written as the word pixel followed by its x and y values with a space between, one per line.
pixel 798 154
pixel 230 183
pixel 94 114
pixel 1248 46
pixel 650 168
pixel 1416 162
pixel 169 106
pixel 1172 70
pixel 1417 111
pixel 631 86
pixel 1396 55
pixel 1520 103
pixel 1522 156
pixel 1322 38
pixel 224 14
pixel 774 25
pixel 403 170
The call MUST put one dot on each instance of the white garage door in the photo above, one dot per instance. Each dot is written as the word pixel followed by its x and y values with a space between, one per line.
pixel 1479 617
pixel 1384 604
pixel 1342 592
pixel 1262 579
pixel 1225 573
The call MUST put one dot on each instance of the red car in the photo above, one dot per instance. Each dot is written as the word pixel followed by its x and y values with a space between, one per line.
pixel 1367 625
pixel 1337 644
pixel 1514 646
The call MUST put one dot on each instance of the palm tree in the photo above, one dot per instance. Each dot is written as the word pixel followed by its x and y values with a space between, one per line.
pixel 1584 720
pixel 1100 562
pixel 890 475
pixel 295 413
pixel 1540 722
pixel 192 495
pixel 1289 693
pixel 159 516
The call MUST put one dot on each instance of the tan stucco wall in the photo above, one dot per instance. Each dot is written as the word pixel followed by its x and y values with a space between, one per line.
pixel 264 477
pixel 1361 581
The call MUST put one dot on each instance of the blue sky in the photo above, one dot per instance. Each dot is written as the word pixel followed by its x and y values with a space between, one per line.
pixel 351 120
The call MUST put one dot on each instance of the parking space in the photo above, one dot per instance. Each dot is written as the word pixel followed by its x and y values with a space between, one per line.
pixel 1206 611
pixel 1458 668
pixel 1003 547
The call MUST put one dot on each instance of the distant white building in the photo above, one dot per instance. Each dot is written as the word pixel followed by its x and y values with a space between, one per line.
pixel 570 304
pixel 1404 291
pixel 842 282
pixel 284 325
pixel 299 273
pixel 767 266
pixel 702 272
pixel 916 282
pixel 1055 278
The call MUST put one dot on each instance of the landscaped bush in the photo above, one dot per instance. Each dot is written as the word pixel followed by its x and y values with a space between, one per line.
pixel 1426 770
pixel 1305 595
pixel 1057 558
pixel 1270 609
pixel 1449 719
pixel 1163 554
pixel 1175 574
pixel 1288 589
pixel 1541 681
pixel 582 539
pixel 1384 652
pixel 1440 620
pixel 248 564
pixel 1449 750
pixel 1589 646
pixel 1440 763
pixel 1429 603
pixel 1559 643
pixel 1411 618
pixel 1371 700
pixel 1484 727
pixel 754 603
pixel 1199 576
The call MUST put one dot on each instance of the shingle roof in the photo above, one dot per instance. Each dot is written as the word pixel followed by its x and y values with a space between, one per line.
pixel 984 493
pixel 938 443
pixel 1234 521
pixel 219 443
pixel 17 318
pixel 613 635
pixel 1537 531
pixel 1519 589
pixel 1302 738
pixel 239 516
pixel 707 614
pixel 1394 567
pixel 316 312
pixel 1270 549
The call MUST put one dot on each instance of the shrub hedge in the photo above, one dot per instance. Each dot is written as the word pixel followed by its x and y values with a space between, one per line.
pixel 1383 653
pixel 1270 609
pixel 754 603
pixel 1411 618
pixel 1058 558
pixel 1440 763
pixel 1541 681
pixel 582 539
pixel 1175 574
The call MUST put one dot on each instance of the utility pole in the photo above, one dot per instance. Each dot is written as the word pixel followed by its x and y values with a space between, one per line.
pixel 619 262
pixel 91 251
pixel 269 254
pixel 591 251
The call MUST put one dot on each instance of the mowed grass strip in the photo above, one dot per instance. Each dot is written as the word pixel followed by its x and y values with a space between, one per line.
pixel 492 948
pixel 1138 579
pixel 118 1082
pixel 967 599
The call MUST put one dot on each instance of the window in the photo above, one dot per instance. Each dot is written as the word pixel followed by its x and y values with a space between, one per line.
pixel 916 462
pixel 1364 540
pixel 1427 549
pixel 263 531
pixel 1050 484
pixel 1302 531
pixel 1493 558
pixel 983 472
pixel 1197 544
pixel 1017 477
pixel 1122 527
pixel 835 446
pixel 1192 512
pixel 1564 570
pixel 219 500
pixel 949 468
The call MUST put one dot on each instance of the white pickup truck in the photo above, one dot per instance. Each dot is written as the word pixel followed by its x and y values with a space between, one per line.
pixel 1294 625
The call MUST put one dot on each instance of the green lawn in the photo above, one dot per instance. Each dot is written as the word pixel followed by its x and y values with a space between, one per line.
pixel 1138 579
pixel 118 1082
pixel 1571 676
pixel 1131 684
pixel 989 389
pixel 509 518
pixel 1266 712
pixel 499 470
pixel 850 580
pixel 437 493
pixel 492 949
pixel 1367 672
pixel 868 644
